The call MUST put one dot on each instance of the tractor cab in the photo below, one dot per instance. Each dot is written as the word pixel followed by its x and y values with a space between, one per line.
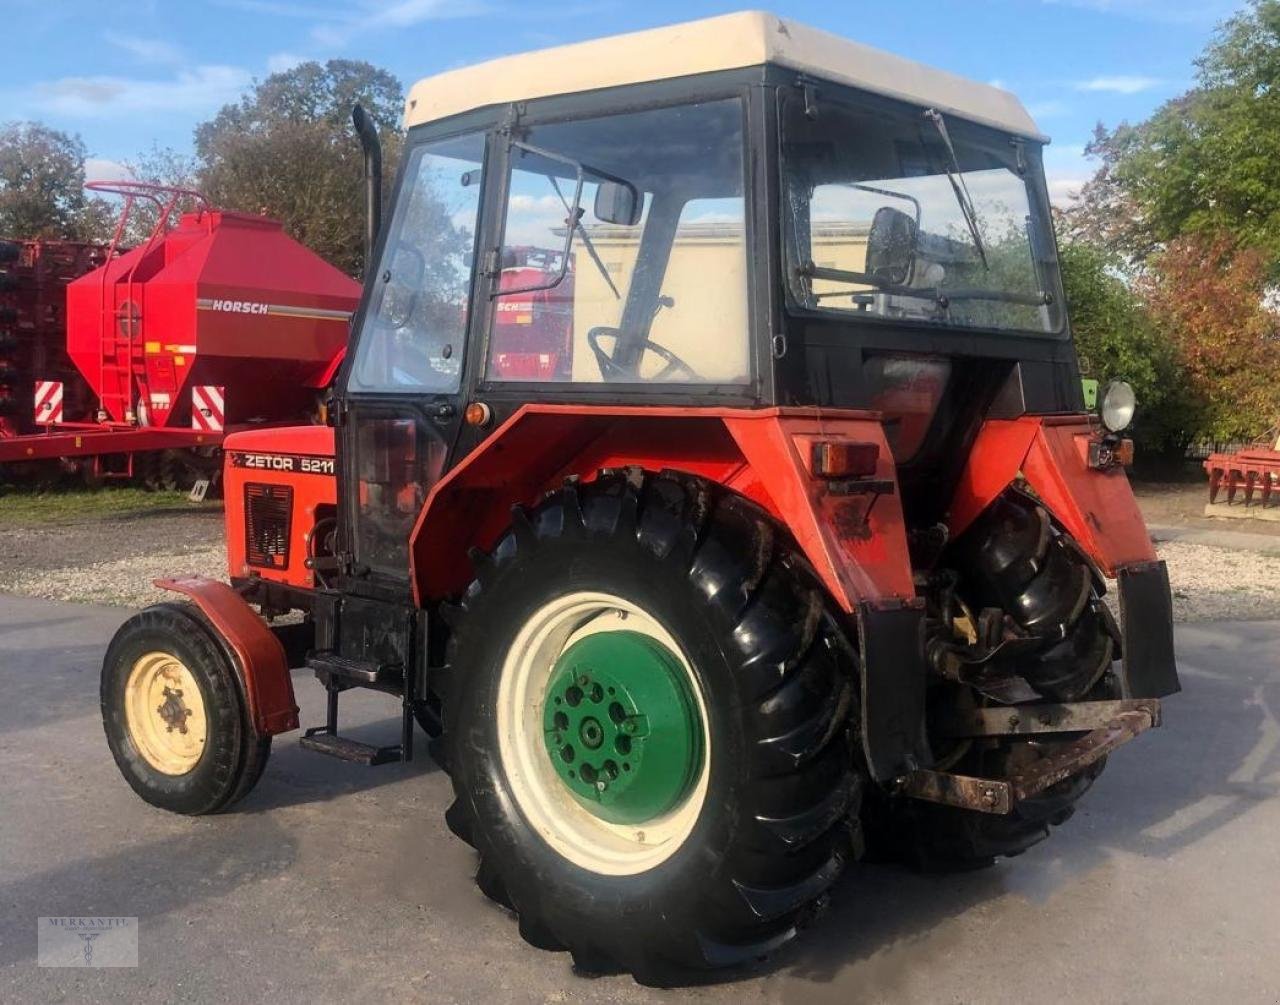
pixel 776 218
pixel 709 477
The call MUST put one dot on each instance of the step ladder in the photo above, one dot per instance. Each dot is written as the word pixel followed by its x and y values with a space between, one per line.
pixel 341 673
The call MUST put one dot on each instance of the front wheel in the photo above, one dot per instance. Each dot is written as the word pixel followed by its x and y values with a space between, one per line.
pixel 647 725
pixel 175 716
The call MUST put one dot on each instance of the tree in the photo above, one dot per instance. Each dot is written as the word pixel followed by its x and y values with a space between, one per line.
pixel 1117 338
pixel 1206 162
pixel 42 185
pixel 1207 298
pixel 288 150
pixel 158 166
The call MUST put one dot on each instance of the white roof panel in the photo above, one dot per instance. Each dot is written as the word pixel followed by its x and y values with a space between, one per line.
pixel 733 41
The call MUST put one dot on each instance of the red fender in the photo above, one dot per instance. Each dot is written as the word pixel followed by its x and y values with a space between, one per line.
pixel 1051 454
pixel 762 454
pixel 263 667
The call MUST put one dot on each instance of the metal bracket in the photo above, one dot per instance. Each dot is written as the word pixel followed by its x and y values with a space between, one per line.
pixel 861 487
pixel 1001 795
pixel 1023 720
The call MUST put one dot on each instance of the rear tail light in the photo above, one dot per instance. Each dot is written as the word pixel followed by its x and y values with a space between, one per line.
pixel 836 459
pixel 1111 452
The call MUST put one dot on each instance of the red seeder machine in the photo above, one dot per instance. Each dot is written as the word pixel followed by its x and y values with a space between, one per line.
pixel 215 322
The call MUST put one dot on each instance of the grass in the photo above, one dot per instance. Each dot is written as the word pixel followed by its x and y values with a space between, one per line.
pixel 27 507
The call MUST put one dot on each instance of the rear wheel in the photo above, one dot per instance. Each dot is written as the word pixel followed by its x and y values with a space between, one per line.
pixel 647 726
pixel 174 714
pixel 1016 560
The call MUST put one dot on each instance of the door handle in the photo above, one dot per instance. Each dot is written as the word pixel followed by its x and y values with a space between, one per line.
pixel 444 410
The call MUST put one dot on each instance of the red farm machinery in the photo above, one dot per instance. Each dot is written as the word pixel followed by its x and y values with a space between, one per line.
pixel 1253 468
pixel 761 527
pixel 215 321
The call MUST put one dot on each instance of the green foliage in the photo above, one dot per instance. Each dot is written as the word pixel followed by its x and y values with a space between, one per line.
pixel 1207 300
pixel 288 150
pixel 1116 338
pixel 1206 163
pixel 1187 205
pixel 42 185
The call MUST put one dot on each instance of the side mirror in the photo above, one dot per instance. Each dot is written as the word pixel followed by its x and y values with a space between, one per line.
pixel 891 246
pixel 618 202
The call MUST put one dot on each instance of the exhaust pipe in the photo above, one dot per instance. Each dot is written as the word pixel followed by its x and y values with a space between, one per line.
pixel 368 133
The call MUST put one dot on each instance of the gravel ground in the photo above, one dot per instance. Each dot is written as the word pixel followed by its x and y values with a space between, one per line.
pixel 1221 584
pixel 113 560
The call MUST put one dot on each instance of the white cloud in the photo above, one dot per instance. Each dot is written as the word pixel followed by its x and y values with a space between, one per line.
pixel 403 13
pixel 387 14
pixel 146 50
pixel 1121 84
pixel 104 169
pixel 1048 109
pixel 200 89
pixel 1064 191
pixel 280 61
pixel 1066 170
pixel 1169 11
pixel 276 8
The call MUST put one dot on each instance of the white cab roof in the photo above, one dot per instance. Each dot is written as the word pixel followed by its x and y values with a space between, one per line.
pixel 733 41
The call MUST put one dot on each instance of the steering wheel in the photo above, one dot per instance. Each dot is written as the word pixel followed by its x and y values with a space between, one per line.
pixel 610 370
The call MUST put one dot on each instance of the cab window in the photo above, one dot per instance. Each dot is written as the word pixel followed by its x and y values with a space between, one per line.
pixel 623 256
pixel 414 329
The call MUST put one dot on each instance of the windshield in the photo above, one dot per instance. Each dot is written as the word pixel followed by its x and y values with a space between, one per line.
pixel 896 213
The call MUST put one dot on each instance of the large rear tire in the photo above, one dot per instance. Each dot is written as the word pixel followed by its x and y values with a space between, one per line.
pixel 1015 559
pixel 175 716
pixel 647 723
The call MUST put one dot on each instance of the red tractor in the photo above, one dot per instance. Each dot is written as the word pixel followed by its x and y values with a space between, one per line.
pixel 796 554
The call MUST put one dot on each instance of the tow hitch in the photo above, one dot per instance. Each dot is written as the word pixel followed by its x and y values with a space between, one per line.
pixel 1109 724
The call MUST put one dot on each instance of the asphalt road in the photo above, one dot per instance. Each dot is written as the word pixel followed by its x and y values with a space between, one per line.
pixel 337 882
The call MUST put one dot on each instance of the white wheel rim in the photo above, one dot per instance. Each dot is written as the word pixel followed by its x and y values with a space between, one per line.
pixel 550 808
pixel 164 713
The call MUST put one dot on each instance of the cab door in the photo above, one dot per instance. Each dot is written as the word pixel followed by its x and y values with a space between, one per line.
pixel 402 391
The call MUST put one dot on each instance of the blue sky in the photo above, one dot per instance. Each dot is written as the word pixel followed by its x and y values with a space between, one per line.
pixel 125 75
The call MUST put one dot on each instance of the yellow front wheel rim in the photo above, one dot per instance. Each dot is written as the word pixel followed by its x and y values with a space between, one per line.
pixel 164 713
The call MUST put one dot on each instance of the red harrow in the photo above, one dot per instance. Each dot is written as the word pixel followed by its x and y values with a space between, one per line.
pixel 1254 467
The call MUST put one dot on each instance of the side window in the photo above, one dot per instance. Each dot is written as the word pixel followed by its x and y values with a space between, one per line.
pixel 414 331
pixel 624 251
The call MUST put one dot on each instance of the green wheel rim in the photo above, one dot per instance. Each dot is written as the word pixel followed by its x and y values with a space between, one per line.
pixel 622 727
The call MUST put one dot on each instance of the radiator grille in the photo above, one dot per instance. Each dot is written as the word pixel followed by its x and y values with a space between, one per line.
pixel 268 512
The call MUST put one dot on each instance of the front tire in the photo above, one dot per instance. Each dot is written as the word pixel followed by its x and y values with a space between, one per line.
pixel 175 716
pixel 650 603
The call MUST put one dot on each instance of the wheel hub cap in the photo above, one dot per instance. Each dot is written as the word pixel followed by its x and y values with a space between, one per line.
pixel 621 726
pixel 165 713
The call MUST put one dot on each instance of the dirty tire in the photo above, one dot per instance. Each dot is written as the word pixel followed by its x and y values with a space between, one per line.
pixel 1015 559
pixel 772 831
pixel 233 757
